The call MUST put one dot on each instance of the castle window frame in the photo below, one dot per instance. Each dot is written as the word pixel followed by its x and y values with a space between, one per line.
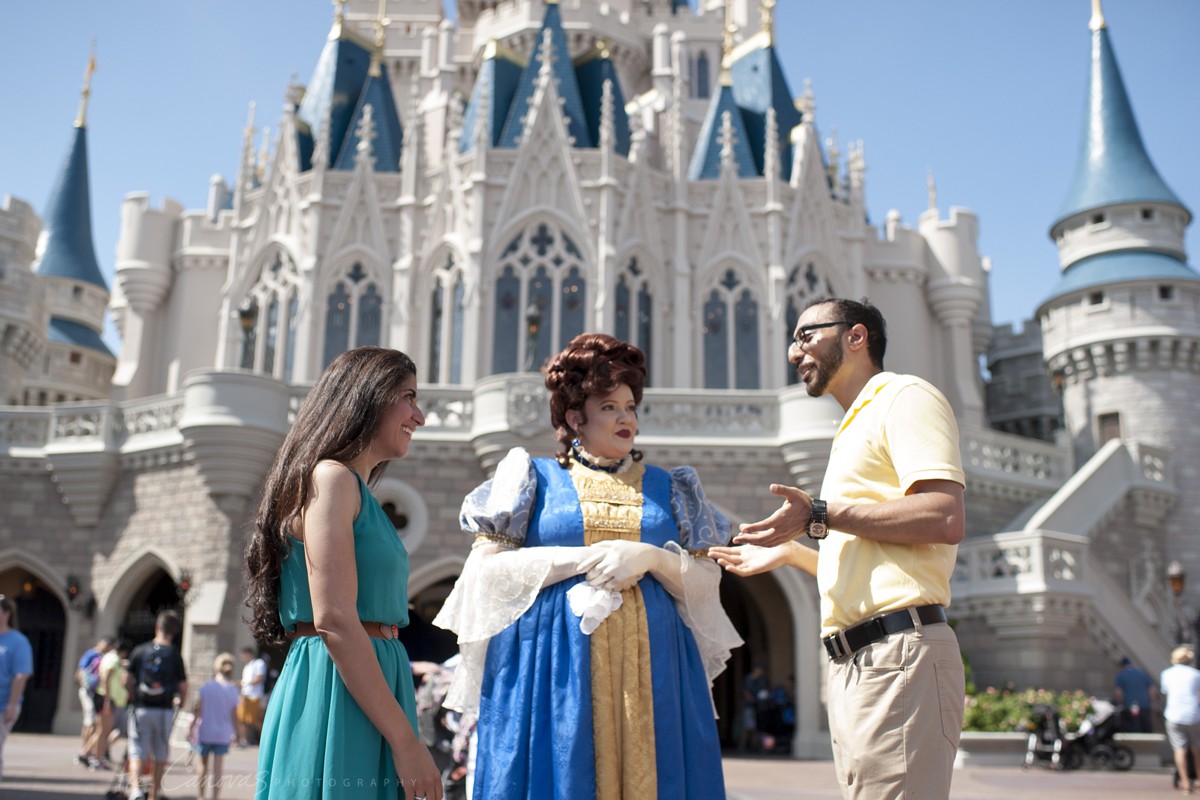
pixel 447 314
pixel 540 300
pixel 269 333
pixel 354 312
pixel 803 283
pixel 1166 293
pixel 633 309
pixel 731 310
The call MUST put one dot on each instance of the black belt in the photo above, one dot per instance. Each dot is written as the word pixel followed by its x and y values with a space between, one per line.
pixel 855 638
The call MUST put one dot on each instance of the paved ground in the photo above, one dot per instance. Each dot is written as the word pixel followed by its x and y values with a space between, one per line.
pixel 39 767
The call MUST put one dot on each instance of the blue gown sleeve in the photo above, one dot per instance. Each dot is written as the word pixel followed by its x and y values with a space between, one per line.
pixel 700 524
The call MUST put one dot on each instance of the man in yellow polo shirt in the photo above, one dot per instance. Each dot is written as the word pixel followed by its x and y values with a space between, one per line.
pixel 889 518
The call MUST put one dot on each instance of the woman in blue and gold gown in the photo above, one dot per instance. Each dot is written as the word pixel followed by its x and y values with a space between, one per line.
pixel 587 614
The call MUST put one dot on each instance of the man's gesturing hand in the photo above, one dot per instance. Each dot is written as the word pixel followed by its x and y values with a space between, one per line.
pixel 788 521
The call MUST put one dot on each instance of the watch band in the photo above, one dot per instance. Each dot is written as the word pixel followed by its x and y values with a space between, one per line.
pixel 818 520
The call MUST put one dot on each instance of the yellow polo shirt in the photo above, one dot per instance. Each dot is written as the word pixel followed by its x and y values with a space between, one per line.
pixel 899 430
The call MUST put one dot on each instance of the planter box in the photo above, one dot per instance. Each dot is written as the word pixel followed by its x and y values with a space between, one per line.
pixel 1008 749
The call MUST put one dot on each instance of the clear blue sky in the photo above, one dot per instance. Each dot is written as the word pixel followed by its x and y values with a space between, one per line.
pixel 989 95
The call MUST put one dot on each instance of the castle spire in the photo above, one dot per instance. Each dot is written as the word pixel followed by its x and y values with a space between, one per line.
pixel 81 117
pixel 1113 166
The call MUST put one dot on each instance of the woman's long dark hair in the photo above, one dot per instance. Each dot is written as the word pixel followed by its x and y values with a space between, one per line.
pixel 337 421
pixel 593 363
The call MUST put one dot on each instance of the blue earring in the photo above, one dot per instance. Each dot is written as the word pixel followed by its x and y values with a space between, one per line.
pixel 575 442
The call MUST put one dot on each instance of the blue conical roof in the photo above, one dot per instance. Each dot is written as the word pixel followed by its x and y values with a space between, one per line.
pixel 1113 165
pixel 333 91
pixel 1105 269
pixel 564 74
pixel 70 252
pixel 706 161
pixel 592 74
pixel 389 135
pixel 759 84
pixel 498 79
pixel 76 334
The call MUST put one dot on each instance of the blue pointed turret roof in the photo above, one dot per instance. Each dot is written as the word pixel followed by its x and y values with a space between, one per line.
pixel 389 134
pixel 70 251
pixel 499 75
pixel 592 71
pixel 706 161
pixel 758 84
pixel 1113 165
pixel 567 86
pixel 76 334
pixel 333 92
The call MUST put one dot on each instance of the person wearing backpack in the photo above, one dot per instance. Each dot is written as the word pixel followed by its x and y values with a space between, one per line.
pixel 87 675
pixel 158 685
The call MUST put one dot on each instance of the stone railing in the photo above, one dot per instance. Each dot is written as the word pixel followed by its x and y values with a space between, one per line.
pixel 447 409
pixel 721 415
pixel 22 427
pixel 1020 563
pixel 992 454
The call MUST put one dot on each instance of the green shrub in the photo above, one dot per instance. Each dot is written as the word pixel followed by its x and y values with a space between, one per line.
pixel 1001 710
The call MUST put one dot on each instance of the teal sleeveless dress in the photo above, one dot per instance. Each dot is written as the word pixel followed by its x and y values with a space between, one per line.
pixel 316 741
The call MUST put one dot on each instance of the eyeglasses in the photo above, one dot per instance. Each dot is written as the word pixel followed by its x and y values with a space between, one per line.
pixel 803 336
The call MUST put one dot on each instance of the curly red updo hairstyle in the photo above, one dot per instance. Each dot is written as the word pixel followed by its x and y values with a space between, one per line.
pixel 593 363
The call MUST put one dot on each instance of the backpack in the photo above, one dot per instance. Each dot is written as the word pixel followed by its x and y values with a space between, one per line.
pixel 91 673
pixel 156 674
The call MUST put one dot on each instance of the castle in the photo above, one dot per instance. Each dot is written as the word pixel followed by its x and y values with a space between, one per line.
pixel 477 191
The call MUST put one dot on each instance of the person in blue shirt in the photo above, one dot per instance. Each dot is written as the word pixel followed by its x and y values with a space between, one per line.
pixel 1135 690
pixel 16 665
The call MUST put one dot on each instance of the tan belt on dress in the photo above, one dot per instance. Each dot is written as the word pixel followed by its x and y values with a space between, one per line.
pixel 376 630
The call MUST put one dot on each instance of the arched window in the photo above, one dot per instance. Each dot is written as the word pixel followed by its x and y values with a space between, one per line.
pixel 701 82
pixel 267 316
pixel 731 351
pixel 634 317
pixel 449 292
pixel 353 314
pixel 804 282
pixel 541 298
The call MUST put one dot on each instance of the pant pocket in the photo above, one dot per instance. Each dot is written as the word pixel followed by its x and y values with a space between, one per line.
pixel 951 688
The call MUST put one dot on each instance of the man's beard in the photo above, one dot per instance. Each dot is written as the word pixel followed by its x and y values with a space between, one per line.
pixel 824 370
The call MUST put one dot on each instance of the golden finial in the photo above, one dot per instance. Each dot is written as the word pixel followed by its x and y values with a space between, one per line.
pixel 767 9
pixel 339 19
pixel 81 117
pixel 381 23
pixel 932 188
pixel 1097 21
pixel 727 44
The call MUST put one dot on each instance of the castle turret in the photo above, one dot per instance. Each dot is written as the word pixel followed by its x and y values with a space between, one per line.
pixel 79 365
pixel 1121 329
pixel 23 319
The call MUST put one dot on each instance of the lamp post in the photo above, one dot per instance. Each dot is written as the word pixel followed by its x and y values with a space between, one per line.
pixel 248 318
pixel 533 321
pixel 1176 577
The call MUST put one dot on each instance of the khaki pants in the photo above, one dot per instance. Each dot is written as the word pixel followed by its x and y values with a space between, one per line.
pixel 895 715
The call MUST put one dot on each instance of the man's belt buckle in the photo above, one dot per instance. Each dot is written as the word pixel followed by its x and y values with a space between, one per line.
pixel 837 645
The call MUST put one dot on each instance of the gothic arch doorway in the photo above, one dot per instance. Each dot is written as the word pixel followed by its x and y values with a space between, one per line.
pixel 157 593
pixel 42 618
pixel 762 615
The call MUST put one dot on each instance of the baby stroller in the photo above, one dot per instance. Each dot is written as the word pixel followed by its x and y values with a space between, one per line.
pixel 1096 738
pixel 1048 743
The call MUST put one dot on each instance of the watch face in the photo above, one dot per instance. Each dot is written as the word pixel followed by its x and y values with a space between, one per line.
pixel 817 530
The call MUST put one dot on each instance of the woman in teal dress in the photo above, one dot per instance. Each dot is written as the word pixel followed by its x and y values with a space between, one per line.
pixel 327 570
pixel 587 613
